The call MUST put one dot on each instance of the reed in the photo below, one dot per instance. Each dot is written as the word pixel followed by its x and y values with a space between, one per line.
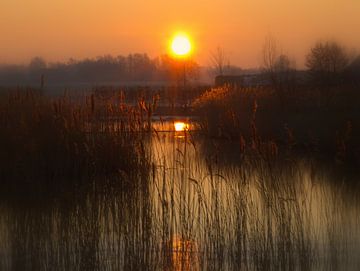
pixel 125 197
pixel 54 146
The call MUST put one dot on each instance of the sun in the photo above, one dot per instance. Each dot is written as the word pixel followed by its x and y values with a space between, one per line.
pixel 181 45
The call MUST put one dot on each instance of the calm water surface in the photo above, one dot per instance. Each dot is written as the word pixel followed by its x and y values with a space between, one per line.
pixel 202 207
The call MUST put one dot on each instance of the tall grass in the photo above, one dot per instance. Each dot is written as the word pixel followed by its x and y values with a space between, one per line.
pixel 266 213
pixel 324 120
pixel 54 146
pixel 161 202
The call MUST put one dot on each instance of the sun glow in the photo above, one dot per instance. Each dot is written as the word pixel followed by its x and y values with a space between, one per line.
pixel 181 45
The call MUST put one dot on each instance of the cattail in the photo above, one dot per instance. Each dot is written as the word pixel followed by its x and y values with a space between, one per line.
pixel 290 136
pixel 42 81
pixel 254 108
pixel 242 144
pixel 55 108
pixel 92 103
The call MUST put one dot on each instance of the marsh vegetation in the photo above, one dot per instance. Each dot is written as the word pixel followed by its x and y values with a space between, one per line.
pixel 91 185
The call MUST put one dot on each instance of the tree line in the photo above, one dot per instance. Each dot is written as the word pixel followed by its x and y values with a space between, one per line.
pixel 327 63
pixel 131 68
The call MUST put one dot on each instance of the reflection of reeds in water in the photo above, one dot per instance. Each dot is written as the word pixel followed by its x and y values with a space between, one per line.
pixel 182 254
pixel 265 213
pixel 179 209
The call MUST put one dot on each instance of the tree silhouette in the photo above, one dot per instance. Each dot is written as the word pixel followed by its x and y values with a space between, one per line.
pixel 278 68
pixel 326 62
pixel 219 61
pixel 270 54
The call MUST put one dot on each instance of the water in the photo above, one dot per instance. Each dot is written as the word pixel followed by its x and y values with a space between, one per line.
pixel 203 206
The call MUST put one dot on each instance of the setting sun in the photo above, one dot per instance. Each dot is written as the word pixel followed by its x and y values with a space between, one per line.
pixel 181 45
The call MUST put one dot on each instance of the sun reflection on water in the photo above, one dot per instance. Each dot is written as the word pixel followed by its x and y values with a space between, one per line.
pixel 181 126
pixel 183 254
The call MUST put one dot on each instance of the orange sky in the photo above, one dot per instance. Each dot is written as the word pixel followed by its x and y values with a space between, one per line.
pixel 60 29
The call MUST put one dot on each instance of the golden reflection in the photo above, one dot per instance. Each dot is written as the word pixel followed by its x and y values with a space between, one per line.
pixel 181 126
pixel 183 255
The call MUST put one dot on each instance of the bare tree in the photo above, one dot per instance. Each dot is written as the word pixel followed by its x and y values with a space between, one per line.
pixel 37 63
pixel 282 63
pixel 285 73
pixel 270 54
pixel 219 61
pixel 275 63
pixel 278 68
pixel 37 68
pixel 326 61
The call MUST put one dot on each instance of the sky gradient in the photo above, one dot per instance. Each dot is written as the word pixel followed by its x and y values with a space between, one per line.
pixel 58 30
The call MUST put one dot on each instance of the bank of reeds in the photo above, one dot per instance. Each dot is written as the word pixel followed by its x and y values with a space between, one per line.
pixel 51 146
pixel 325 120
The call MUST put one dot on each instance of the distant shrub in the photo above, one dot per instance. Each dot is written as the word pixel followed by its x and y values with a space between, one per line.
pixel 227 111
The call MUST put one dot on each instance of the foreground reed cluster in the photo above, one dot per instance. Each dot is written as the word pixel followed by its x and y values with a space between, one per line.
pixel 55 145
